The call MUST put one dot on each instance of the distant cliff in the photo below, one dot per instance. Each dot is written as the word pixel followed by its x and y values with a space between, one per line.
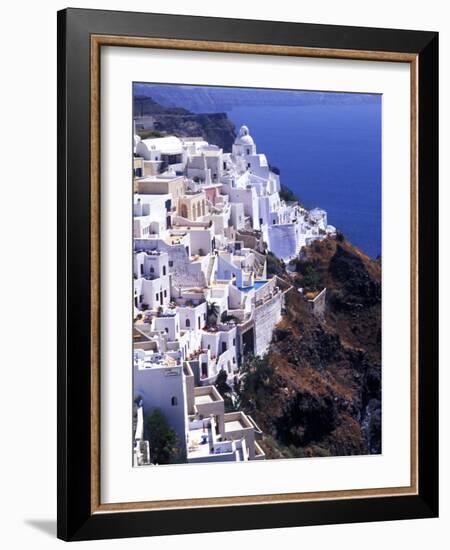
pixel 318 390
pixel 211 99
pixel 153 119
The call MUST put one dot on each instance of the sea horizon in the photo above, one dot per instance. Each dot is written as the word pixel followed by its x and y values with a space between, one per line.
pixel 326 145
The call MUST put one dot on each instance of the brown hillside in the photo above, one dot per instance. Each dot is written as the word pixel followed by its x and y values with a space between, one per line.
pixel 318 391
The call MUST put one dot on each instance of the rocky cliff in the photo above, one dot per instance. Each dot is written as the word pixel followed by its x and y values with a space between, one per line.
pixel 152 119
pixel 318 390
pixel 212 99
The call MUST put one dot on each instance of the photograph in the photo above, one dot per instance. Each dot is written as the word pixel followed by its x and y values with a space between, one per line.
pixel 247 273
pixel 256 273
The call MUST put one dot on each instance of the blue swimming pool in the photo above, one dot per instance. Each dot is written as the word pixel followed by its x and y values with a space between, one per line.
pixel 256 285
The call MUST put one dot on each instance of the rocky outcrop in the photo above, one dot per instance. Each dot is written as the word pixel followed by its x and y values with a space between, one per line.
pixel 318 390
pixel 152 119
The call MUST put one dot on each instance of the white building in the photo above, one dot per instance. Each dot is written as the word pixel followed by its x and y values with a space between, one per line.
pixel 151 215
pixel 151 279
pixel 161 386
pixel 202 298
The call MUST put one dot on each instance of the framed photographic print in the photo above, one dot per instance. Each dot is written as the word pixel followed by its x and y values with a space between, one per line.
pixel 247 274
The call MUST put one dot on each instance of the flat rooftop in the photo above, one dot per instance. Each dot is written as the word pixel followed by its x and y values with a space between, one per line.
pixel 234 425
pixel 206 394
pixel 142 197
pixel 202 399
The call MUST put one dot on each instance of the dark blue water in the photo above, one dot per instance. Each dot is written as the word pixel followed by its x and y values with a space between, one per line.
pixel 330 156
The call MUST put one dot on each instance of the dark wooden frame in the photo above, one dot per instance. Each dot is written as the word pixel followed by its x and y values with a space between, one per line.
pixel 81 33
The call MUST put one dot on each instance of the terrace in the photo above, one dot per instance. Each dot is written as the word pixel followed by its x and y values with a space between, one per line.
pixel 154 360
pixel 205 446
pixel 205 396
pixel 236 422
pixel 200 441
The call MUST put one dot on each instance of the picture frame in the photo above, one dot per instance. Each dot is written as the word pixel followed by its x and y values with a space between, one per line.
pixel 81 35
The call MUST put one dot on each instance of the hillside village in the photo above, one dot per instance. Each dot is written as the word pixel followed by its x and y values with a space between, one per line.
pixel 205 222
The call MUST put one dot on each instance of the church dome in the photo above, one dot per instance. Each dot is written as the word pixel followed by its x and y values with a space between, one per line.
pixel 244 137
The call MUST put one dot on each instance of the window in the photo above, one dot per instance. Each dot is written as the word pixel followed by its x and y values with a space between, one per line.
pixel 199 323
pixel 234 341
pixel 164 269
pixel 152 270
pixel 174 401
pixel 188 323
pixel 165 294
pixel 248 165
pixel 224 347
pixel 156 297
pixel 248 152
pixel 167 330
pixel 170 263
pixel 142 268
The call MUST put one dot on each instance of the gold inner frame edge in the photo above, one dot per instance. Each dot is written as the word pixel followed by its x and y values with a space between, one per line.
pixel 97 41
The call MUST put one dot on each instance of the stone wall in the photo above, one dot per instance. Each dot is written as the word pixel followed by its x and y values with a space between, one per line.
pixel 266 316
pixel 318 304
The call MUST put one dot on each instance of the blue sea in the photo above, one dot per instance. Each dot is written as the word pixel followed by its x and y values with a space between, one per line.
pixel 330 156
pixel 327 145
